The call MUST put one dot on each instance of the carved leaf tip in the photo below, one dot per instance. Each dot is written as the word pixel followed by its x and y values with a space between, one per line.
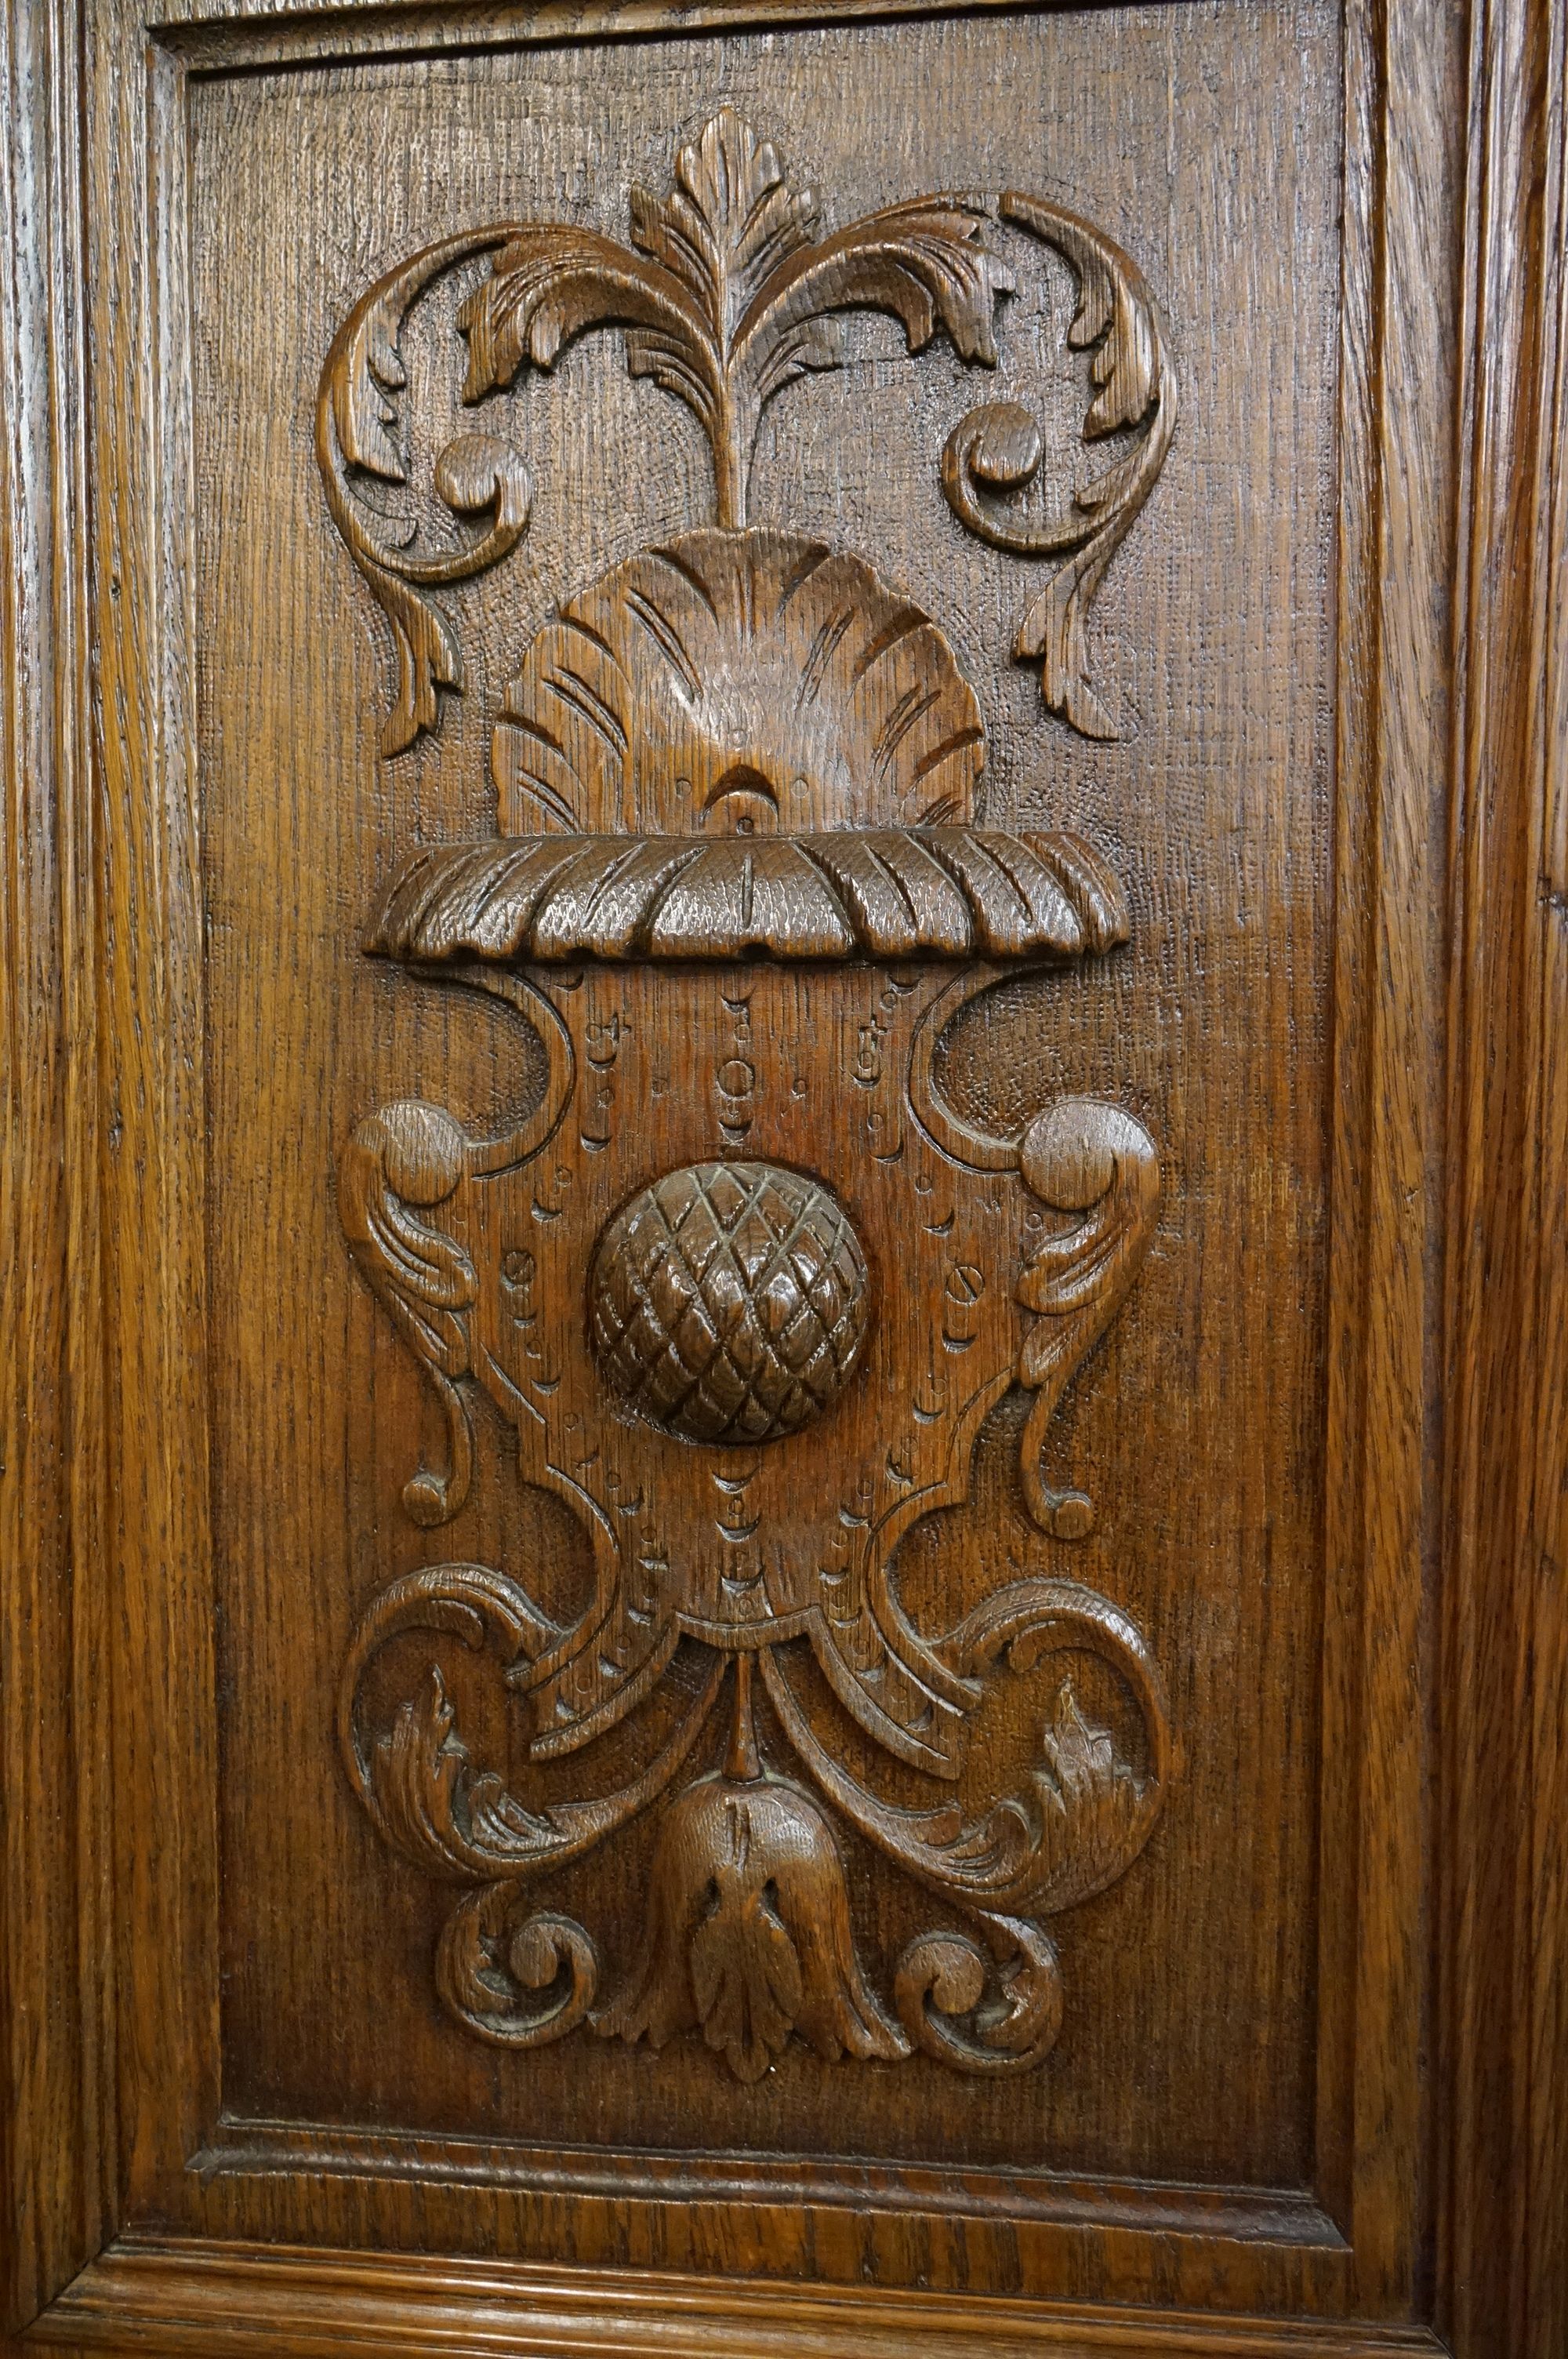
pixel 415 1775
pixel 924 261
pixel 729 220
pixel 361 380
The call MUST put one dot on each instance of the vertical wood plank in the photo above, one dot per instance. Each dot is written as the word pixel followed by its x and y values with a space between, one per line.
pixel 154 1206
pixel 55 2115
pixel 1500 2285
pixel 1413 522
pixel 1546 2209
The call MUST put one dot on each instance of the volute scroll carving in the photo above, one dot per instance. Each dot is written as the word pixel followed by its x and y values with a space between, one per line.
pixel 995 453
pixel 724 294
pixel 743 1286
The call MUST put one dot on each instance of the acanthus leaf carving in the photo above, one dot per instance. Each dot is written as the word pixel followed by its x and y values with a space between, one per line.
pixel 400 1164
pixel 419 1785
pixel 995 451
pixel 728 223
pixel 737 776
pixel 356 436
pixel 724 296
pixel 1077 1828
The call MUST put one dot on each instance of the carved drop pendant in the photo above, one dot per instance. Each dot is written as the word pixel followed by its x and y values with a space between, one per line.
pixel 745 1324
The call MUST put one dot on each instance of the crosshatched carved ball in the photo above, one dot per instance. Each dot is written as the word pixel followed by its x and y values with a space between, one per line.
pixel 729 1301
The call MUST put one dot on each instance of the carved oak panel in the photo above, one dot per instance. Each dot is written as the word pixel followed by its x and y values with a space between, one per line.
pixel 767 1356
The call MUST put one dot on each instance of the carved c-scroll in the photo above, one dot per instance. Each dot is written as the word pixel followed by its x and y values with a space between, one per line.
pixel 1079 1155
pixel 419 1783
pixel 401 1163
pixel 944 1975
pixel 725 296
pixel 995 453
pixel 1087 1815
pixel 488 1950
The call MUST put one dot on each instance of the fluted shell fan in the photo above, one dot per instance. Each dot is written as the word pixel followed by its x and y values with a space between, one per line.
pixel 743 743
pixel 743 681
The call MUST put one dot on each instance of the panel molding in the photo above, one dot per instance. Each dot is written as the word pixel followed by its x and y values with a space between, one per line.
pixel 1502 1897
pixel 1287 2216
pixel 181 2296
pixel 57 2026
pixel 71 1903
pixel 1370 2104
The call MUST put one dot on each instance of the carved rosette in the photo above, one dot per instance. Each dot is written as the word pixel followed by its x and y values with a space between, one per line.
pixel 744 1285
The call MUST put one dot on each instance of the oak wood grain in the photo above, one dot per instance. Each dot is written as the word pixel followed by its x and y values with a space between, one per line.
pixel 1500 2281
pixel 183 2297
pixel 57 2108
pixel 237 124
pixel 1304 2057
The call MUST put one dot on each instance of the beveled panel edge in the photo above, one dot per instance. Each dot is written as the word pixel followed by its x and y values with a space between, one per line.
pixel 1397 516
pixel 1282 2215
pixel 189 2296
pixel 216 36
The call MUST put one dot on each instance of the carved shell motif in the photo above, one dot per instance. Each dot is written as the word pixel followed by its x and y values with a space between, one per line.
pixel 738 683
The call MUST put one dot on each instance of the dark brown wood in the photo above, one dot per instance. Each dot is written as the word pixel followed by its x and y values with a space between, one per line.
pixel 57 2045
pixel 566 1036
pixel 1502 2278
pixel 165 2295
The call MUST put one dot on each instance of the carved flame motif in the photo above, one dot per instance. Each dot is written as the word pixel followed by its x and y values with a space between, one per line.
pixel 744 1284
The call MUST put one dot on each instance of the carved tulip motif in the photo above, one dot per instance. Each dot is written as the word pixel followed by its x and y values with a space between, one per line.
pixel 749 1937
pixel 743 1283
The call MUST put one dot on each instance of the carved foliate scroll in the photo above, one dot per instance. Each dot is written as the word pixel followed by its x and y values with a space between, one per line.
pixel 745 1286
pixel 725 293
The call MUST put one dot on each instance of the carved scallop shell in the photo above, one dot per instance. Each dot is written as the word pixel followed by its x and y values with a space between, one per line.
pixel 737 683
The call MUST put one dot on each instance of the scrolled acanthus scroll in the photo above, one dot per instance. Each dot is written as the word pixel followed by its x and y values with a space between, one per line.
pixel 1083 1820
pixel 995 453
pixel 401 1165
pixel 422 1791
pixel 724 296
pixel 750 1938
pixel 356 437
pixel 944 1975
pixel 1081 1157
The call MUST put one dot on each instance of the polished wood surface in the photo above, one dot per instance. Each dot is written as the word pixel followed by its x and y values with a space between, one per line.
pixel 1151 1441
pixel 784 945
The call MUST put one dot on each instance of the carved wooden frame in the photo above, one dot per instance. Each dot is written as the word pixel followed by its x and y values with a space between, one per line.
pixel 134 2212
